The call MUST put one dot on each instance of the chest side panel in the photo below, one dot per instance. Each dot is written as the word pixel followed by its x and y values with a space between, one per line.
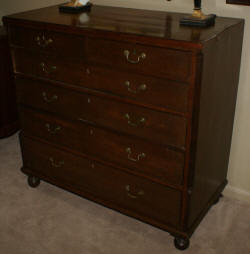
pixel 218 92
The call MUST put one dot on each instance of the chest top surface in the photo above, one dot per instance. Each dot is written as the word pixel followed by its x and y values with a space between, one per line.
pixel 122 21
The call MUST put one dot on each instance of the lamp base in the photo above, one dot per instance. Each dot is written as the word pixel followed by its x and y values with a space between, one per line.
pixel 203 21
pixel 68 8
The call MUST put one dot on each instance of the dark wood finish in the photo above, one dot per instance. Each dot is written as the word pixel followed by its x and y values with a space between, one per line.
pixel 173 64
pixel 160 127
pixel 160 93
pixel 241 2
pixel 77 109
pixel 122 24
pixel 48 67
pixel 214 134
pixel 48 42
pixel 141 196
pixel 159 163
pixel 8 109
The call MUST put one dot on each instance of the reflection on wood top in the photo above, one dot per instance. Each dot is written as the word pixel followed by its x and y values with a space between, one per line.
pixel 156 24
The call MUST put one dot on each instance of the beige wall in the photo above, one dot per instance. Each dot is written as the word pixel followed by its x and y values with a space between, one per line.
pixel 239 168
pixel 13 6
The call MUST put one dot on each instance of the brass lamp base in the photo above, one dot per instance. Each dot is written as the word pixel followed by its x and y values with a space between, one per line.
pixel 70 8
pixel 198 19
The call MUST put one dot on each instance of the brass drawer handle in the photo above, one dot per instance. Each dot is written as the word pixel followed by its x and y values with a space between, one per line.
pixel 139 156
pixel 142 87
pixel 140 121
pixel 43 42
pixel 127 53
pixel 49 100
pixel 47 70
pixel 56 164
pixel 52 129
pixel 133 196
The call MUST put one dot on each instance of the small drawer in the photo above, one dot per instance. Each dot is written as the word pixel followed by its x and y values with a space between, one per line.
pixel 140 157
pixel 119 188
pixel 160 62
pixel 48 41
pixel 152 125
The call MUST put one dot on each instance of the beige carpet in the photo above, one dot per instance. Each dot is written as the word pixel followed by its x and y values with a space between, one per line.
pixel 48 220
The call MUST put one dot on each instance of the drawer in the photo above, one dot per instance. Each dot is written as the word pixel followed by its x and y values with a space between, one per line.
pixel 142 89
pixel 47 67
pixel 138 156
pixel 160 62
pixel 145 90
pixel 138 121
pixel 48 41
pixel 108 184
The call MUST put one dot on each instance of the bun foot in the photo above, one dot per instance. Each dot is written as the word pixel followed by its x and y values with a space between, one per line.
pixel 181 243
pixel 33 181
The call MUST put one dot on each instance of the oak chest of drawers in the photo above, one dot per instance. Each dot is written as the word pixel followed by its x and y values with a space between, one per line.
pixel 128 109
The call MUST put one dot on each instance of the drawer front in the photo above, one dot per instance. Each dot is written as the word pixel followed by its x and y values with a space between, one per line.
pixel 160 62
pixel 48 67
pixel 140 88
pixel 152 125
pixel 156 162
pixel 47 41
pixel 119 188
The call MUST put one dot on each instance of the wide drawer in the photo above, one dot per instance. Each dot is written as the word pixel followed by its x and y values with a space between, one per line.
pixel 145 123
pixel 48 41
pixel 160 62
pixel 119 188
pixel 135 155
pixel 140 89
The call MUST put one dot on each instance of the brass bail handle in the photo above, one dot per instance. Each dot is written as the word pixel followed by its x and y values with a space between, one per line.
pixel 139 156
pixel 56 164
pixel 52 129
pixel 42 41
pixel 127 54
pixel 47 69
pixel 47 99
pixel 135 195
pixel 141 88
pixel 140 121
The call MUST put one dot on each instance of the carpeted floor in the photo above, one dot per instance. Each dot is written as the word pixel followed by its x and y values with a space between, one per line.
pixel 48 220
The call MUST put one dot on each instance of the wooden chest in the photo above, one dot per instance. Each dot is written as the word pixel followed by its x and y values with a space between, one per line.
pixel 127 108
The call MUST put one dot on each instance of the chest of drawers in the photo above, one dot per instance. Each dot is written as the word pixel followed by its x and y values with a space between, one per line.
pixel 128 109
